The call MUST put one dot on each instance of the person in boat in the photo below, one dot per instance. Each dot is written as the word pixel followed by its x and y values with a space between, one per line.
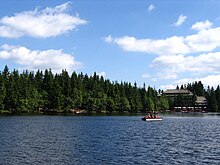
pixel 150 116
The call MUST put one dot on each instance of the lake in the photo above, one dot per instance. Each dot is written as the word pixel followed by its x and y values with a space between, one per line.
pixel 109 140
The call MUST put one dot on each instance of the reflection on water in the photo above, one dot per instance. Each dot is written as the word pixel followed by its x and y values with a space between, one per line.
pixel 191 114
pixel 109 140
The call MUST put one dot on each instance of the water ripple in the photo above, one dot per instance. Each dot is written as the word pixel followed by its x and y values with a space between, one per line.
pixel 108 140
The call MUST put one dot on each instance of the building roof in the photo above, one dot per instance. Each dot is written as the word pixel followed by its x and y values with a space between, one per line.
pixel 177 91
pixel 200 99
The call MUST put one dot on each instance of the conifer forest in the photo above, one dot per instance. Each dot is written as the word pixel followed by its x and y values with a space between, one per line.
pixel 30 92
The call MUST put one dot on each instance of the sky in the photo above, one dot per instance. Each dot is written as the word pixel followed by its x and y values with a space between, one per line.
pixel 162 43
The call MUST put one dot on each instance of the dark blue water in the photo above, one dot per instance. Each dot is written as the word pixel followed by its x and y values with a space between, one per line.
pixel 109 140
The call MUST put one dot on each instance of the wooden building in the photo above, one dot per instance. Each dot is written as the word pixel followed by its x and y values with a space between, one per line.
pixel 201 104
pixel 184 100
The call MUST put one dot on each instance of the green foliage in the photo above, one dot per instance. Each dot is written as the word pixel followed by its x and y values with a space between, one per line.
pixel 31 92
pixel 150 104
pixel 212 96
pixel 213 99
pixel 163 103
pixel 217 95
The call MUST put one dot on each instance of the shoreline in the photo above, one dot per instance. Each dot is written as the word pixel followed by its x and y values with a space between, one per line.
pixel 72 114
pixel 111 114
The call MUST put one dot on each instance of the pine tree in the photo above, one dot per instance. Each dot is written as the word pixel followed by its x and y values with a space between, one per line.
pixel 163 103
pixel 2 93
pixel 12 93
pixel 38 80
pixel 47 87
pixel 212 103
pixel 217 94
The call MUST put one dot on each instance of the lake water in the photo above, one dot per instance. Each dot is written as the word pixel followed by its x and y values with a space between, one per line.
pixel 109 140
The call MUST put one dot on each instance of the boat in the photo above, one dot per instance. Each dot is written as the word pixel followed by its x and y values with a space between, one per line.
pixel 152 118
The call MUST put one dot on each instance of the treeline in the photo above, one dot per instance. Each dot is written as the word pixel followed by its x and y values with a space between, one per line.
pixel 43 90
pixel 212 95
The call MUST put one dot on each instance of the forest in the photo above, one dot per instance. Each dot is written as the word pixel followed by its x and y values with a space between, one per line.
pixel 30 92
pixel 212 95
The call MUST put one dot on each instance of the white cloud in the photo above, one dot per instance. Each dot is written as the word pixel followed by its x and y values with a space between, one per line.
pixel 180 20
pixel 202 25
pixel 35 59
pixel 167 60
pixel 210 80
pixel 103 74
pixel 185 81
pixel 203 41
pixel 108 39
pixel 151 7
pixel 9 32
pixel 171 66
pixel 45 23
pixel 170 45
pixel 180 56
pixel 170 86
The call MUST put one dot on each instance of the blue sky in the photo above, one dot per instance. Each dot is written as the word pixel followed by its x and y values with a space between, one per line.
pixel 162 43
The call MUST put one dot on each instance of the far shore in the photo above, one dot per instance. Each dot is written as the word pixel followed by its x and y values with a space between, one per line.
pixel 102 113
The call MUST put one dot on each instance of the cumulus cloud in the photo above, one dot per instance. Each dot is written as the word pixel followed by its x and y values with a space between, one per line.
pixel 180 20
pixel 170 45
pixel 151 7
pixel 210 80
pixel 38 23
pixel 36 59
pixel 203 41
pixel 204 63
pixel 206 66
pixel 194 55
pixel 202 25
